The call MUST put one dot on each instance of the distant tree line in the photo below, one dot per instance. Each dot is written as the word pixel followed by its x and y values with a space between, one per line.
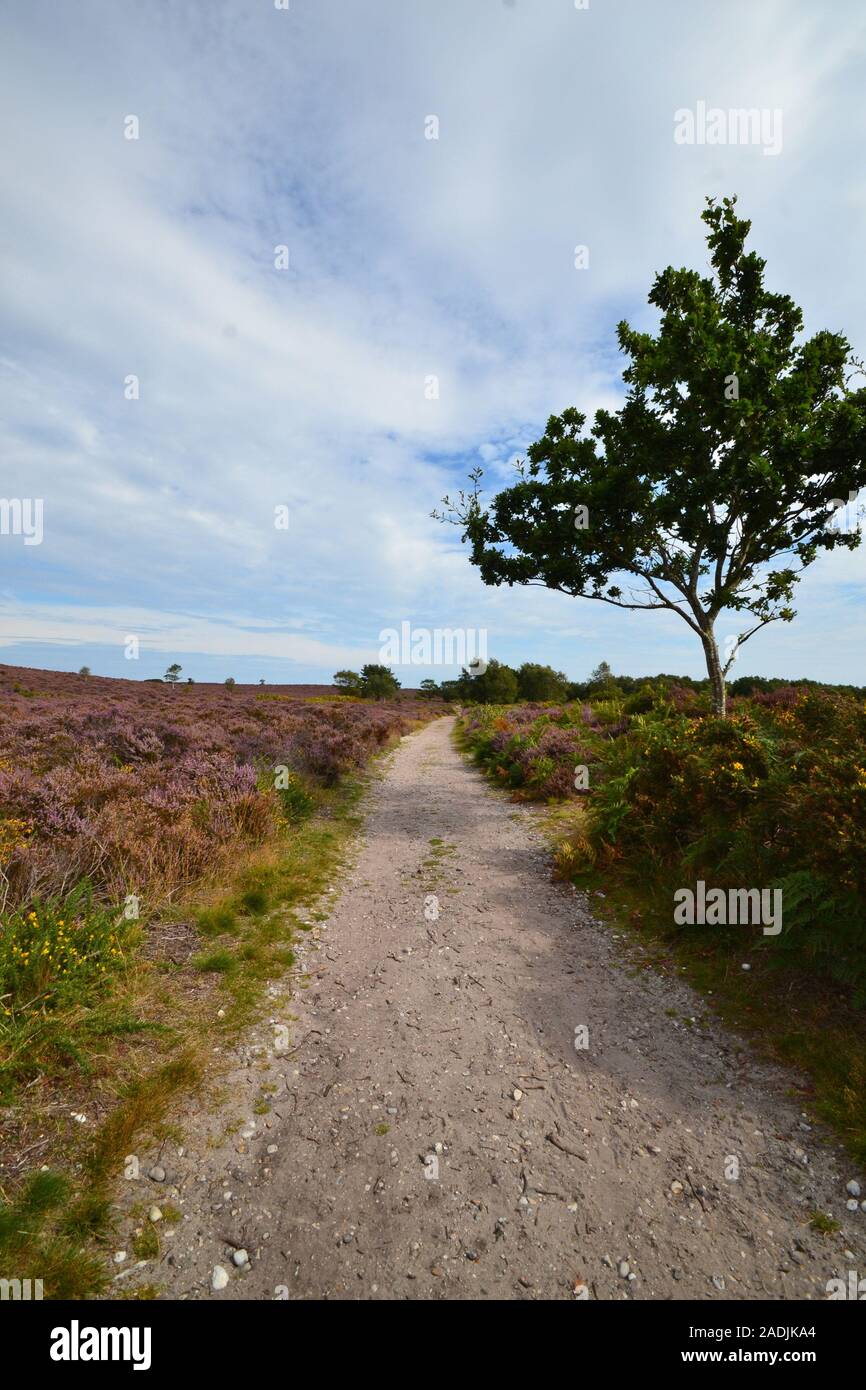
pixel 500 684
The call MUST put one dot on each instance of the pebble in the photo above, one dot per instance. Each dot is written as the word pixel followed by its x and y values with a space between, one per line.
pixel 676 1187
pixel 852 1204
pixel 518 1095
pixel 120 1256
pixel 853 1188
pixel 719 1283
pixel 240 1258
pixel 154 1215
pixel 624 1268
pixel 157 1173
pixel 272 1148
pixel 219 1278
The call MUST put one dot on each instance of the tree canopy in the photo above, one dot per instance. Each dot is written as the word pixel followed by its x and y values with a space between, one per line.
pixel 373 683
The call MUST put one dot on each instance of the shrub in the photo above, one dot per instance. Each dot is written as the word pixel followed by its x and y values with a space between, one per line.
pixel 60 951
pixel 774 796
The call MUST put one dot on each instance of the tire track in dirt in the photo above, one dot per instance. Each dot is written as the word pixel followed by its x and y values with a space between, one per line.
pixel 436 1134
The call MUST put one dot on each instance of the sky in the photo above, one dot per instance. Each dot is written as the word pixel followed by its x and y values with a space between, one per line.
pixel 317 262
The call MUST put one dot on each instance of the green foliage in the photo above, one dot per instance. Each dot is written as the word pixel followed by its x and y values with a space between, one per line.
pixel 349 682
pixel 296 803
pixel 254 900
pixel 374 683
pixel 37 1243
pixel 771 797
pixel 540 683
pixel 58 952
pixel 378 682
pixel 602 678
pixel 497 684
pixel 216 921
pixel 172 674
pixel 216 962
pixel 642 701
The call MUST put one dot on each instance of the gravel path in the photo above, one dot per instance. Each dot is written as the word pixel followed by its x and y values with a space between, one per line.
pixel 436 1133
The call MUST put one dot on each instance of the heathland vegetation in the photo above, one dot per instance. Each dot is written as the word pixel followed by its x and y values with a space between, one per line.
pixel 154 841
pixel 650 791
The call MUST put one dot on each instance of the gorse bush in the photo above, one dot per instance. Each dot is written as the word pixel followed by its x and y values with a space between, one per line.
pixel 61 963
pixel 59 952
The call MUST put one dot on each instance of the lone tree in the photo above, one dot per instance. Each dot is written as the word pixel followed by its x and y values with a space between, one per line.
pixel 712 488
pixel 172 674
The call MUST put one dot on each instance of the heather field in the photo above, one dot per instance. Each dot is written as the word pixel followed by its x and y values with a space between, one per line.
pixel 141 788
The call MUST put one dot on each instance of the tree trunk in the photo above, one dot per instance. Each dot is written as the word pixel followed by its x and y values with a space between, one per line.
pixel 714 671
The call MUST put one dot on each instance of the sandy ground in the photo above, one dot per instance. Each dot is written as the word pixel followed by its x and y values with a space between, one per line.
pixel 436 1133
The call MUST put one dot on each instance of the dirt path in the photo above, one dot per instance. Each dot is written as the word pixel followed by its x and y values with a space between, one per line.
pixel 454 1037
